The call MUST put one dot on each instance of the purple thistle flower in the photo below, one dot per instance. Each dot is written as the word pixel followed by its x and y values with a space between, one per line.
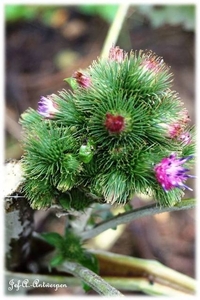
pixel 46 107
pixel 171 174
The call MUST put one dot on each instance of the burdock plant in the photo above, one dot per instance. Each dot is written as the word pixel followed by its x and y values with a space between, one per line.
pixel 121 131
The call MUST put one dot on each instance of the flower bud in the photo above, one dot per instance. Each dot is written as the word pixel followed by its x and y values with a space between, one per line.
pixel 152 62
pixel 114 124
pixel 116 54
pixel 46 107
pixel 185 137
pixel 82 79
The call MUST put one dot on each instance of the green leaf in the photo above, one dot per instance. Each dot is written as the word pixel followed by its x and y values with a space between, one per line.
pixel 20 12
pixel 128 207
pixel 86 153
pixel 65 200
pixel 90 261
pixel 57 260
pixel 74 199
pixel 53 238
pixel 85 286
pixel 72 82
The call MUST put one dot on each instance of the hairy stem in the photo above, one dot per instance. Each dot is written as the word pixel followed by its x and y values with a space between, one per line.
pixel 133 215
pixel 90 278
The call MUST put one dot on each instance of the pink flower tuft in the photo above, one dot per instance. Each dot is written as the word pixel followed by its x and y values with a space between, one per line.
pixel 185 137
pixel 152 62
pixel 114 124
pixel 171 174
pixel 184 116
pixel 46 107
pixel 174 130
pixel 82 80
pixel 116 54
pixel 177 131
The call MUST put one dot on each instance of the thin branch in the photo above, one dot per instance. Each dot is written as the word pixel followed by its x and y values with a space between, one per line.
pixel 126 217
pixel 114 29
pixel 90 278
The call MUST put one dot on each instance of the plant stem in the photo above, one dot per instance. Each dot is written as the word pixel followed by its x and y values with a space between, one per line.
pixel 114 29
pixel 126 217
pixel 90 278
pixel 143 285
pixel 130 266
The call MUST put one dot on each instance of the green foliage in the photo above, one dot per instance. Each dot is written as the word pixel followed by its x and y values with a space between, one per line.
pixel 52 147
pixel 74 199
pixel 158 15
pixel 45 12
pixel 39 193
pixel 86 152
pixel 89 261
pixel 72 82
pixel 69 247
pixel 20 12
pixel 170 14
pixel 71 154
pixel 191 147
